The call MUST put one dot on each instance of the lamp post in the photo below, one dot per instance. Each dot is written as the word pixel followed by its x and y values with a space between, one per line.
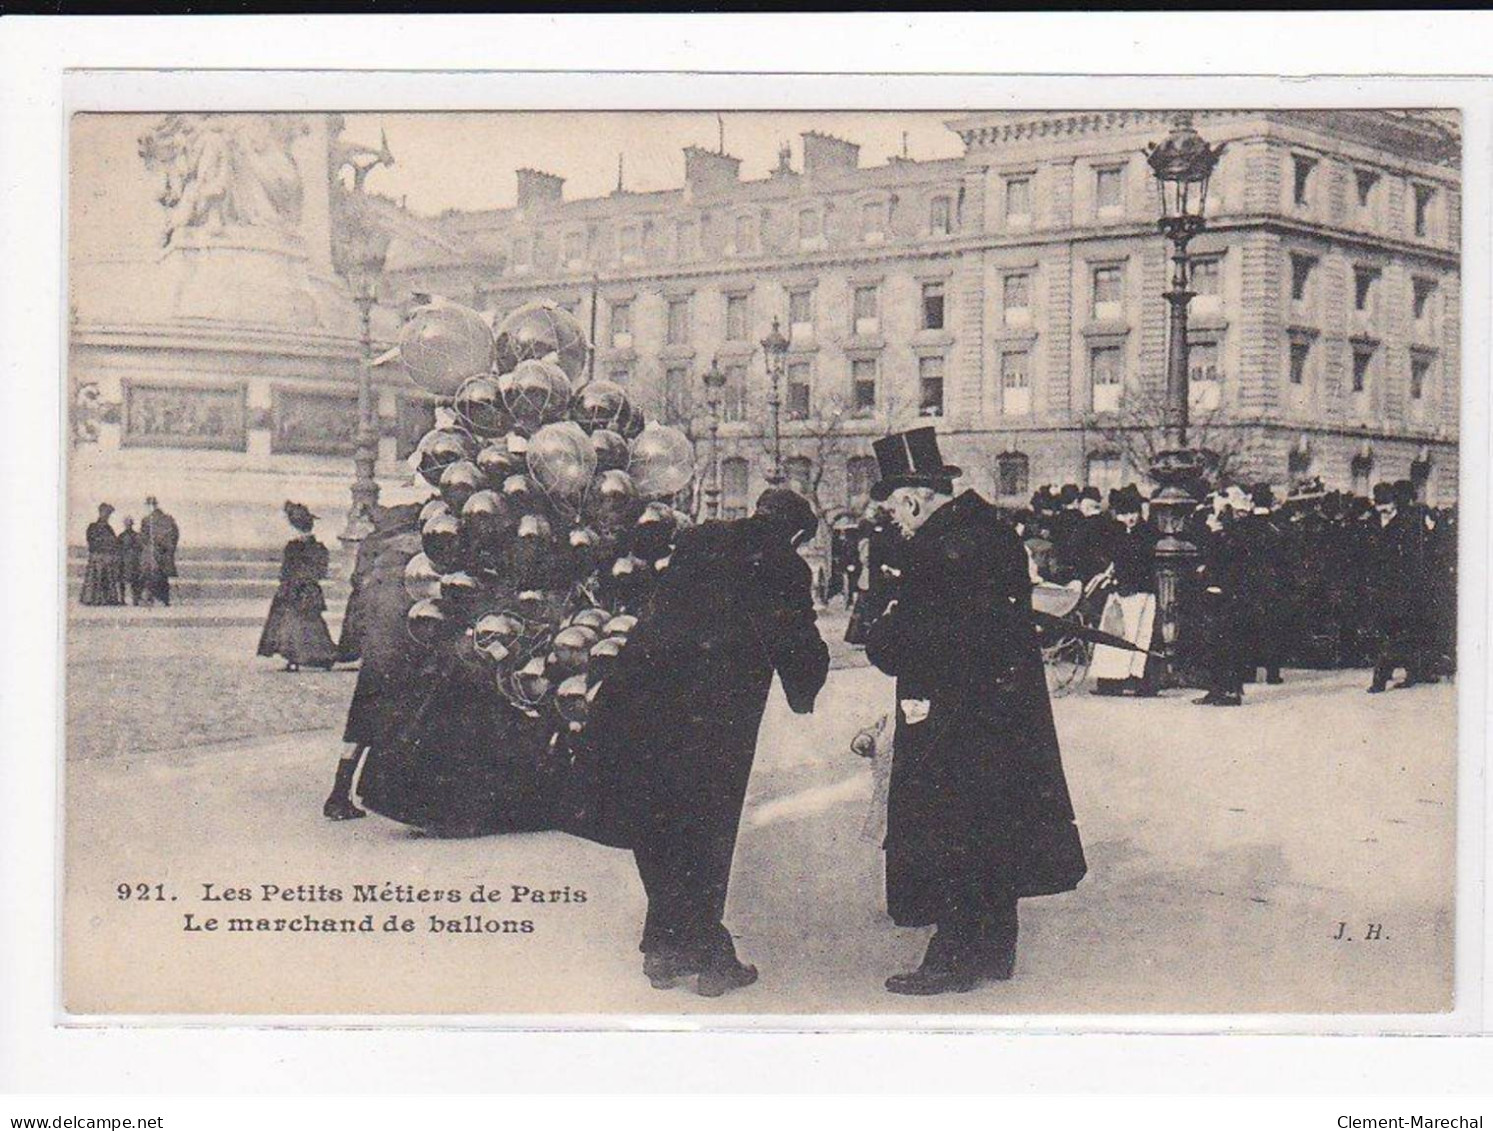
pixel 715 381
pixel 1183 165
pixel 775 352
pixel 359 247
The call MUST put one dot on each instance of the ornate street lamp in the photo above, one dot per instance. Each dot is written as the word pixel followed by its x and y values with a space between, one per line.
pixel 715 381
pixel 1183 165
pixel 359 247
pixel 775 352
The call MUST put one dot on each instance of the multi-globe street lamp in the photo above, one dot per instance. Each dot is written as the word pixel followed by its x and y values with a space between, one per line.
pixel 775 354
pixel 1183 165
pixel 715 381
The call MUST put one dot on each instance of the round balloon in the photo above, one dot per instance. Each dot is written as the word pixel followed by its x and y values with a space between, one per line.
pixel 654 533
pixel 604 655
pixel 457 587
pixel 590 618
pixel 498 463
pixel 571 648
pixel 439 449
pixel 542 330
pixel 612 500
pixel 479 407
pixel 531 683
pixel 570 699
pixel 427 622
pixel 440 538
pixel 662 461
pixel 442 346
pixel 562 461
pixel 537 393
pixel 432 508
pixel 460 481
pixel 422 581
pixel 632 427
pixel 611 450
pixel 619 625
pixel 486 520
pixel 600 404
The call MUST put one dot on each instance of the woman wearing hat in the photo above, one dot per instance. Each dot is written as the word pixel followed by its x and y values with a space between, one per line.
pixel 295 628
pixel 101 580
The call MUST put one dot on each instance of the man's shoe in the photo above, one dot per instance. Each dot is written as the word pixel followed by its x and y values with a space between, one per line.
pixel 720 978
pixel 1376 688
pixel 924 982
pixel 1230 701
pixel 1209 700
pixel 340 808
pixel 667 969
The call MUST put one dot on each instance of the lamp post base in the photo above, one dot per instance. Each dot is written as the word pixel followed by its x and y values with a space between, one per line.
pixel 1179 474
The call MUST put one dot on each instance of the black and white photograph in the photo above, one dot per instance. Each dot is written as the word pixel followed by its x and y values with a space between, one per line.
pixel 750 562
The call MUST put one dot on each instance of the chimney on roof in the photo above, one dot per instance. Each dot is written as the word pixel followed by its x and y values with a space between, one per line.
pixel 824 153
pixel 704 169
pixel 537 188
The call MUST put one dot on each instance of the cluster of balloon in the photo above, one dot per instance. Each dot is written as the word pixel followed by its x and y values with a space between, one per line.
pixel 552 518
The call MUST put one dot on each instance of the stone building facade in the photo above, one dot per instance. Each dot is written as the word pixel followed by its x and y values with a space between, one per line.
pixel 1014 298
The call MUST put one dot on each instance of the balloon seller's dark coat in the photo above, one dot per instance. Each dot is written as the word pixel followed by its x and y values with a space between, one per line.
pixel 389 657
pixel 390 524
pixel 294 627
pixel 673 729
pixel 978 809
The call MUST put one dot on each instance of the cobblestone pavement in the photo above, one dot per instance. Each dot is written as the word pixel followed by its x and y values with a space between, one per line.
pixel 1225 850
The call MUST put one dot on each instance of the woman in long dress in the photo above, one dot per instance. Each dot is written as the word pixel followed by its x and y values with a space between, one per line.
pixel 295 628
pixel 101 579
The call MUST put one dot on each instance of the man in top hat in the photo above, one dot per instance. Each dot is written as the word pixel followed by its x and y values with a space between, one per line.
pixel 978 813
pixel 1396 584
pixel 158 537
pixel 1266 587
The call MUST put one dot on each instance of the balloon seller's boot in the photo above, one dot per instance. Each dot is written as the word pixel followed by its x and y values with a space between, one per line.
pixel 339 804
pixel 722 971
pixel 998 944
pixel 667 968
pixel 948 967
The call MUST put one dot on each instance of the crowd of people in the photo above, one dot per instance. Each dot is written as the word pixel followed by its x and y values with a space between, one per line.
pixel 130 566
pixel 1317 579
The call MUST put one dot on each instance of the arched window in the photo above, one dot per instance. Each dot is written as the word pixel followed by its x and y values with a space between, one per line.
pixel 1361 472
pixel 735 479
pixel 798 473
pixel 1013 475
pixel 1105 470
pixel 860 473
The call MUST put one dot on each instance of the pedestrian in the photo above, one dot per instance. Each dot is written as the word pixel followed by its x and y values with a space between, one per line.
pixel 978 812
pixel 672 733
pixel 1398 579
pixel 295 628
pixel 387 654
pixel 159 536
pixel 1130 607
pixel 102 577
pixel 1265 595
pixel 130 550
pixel 1224 623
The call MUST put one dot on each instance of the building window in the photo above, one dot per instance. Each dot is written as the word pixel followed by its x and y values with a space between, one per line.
pixel 1018 200
pixel 799 383
pixel 734 395
pixel 940 216
pixel 863 386
pixel 1301 353
pixel 1299 464
pixel 629 244
pixel 1302 169
pixel 1016 300
pixel 523 252
pixel 1423 290
pixel 621 325
pixel 1301 277
pixel 1013 475
pixel 1364 181
pixel 866 319
pixel 686 240
pixel 801 315
pixel 1203 375
pixel 677 332
pixel 873 220
pixel 799 472
pixel 810 224
pixel 861 472
pixel 746 234
pixel 1108 293
pixel 930 386
pixel 735 482
pixel 1109 187
pixel 1424 196
pixel 1016 383
pixel 1105 470
pixel 736 318
pixel 1364 279
pixel 933 313
pixel 1363 360
pixel 1420 373
pixel 1361 473
pixel 1107 374
pixel 575 248
pixel 1204 276
pixel 620 374
pixel 678 395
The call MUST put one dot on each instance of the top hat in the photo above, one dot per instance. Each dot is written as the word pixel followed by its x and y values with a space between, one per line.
pixel 911 459
pixel 1384 494
pixel 1091 493
pixel 150 500
pixel 786 508
pixel 1067 494
pixel 1262 496
pixel 1125 500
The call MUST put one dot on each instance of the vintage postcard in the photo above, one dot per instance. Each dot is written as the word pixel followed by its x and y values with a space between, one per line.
pixel 773 563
